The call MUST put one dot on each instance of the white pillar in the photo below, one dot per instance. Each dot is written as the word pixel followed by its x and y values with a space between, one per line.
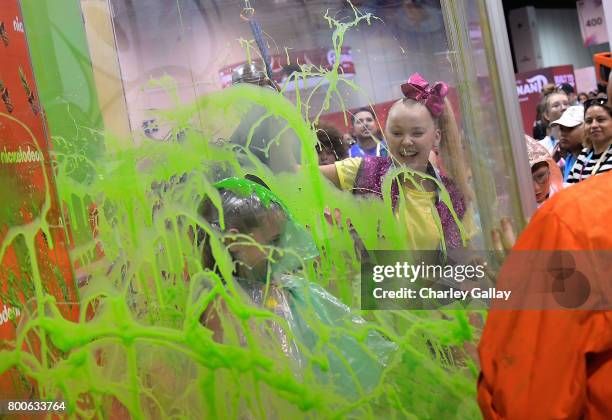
pixel 607 7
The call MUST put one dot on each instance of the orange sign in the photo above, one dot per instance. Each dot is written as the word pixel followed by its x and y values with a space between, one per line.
pixel 28 194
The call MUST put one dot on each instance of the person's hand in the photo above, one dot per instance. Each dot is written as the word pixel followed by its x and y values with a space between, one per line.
pixel 337 217
pixel 504 237
pixel 336 220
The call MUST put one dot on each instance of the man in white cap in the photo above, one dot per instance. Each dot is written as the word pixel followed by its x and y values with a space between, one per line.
pixel 571 133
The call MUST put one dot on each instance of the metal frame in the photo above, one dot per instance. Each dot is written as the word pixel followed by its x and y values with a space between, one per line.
pixel 506 80
pixel 503 84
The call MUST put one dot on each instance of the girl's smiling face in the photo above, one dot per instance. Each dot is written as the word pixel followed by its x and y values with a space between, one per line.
pixel 411 133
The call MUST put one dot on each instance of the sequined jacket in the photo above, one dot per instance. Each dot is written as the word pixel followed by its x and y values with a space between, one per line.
pixel 369 180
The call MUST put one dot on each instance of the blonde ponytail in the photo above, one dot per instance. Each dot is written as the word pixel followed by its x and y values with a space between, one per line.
pixel 452 153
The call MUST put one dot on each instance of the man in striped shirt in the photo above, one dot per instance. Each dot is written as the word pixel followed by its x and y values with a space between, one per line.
pixel 596 158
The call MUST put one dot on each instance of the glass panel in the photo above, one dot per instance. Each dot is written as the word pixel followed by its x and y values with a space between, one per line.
pixel 494 148
pixel 204 292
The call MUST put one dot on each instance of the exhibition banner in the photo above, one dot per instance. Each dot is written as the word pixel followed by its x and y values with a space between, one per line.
pixel 529 85
pixel 592 22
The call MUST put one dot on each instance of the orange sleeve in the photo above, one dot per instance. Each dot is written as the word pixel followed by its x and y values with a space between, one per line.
pixel 532 362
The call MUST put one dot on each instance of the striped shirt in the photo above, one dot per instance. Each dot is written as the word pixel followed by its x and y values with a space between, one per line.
pixel 586 162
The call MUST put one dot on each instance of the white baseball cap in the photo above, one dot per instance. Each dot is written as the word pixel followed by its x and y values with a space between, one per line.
pixel 572 117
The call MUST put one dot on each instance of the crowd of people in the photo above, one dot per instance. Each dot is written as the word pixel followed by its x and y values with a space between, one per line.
pixel 363 139
pixel 576 133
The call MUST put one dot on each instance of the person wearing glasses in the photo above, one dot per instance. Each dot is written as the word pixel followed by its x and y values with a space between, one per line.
pixel 554 105
pixel 546 175
pixel 571 134
pixel 596 157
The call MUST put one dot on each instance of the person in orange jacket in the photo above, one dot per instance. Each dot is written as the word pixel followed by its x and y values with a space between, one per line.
pixel 553 364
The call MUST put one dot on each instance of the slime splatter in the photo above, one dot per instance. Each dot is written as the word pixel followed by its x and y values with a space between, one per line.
pixel 139 348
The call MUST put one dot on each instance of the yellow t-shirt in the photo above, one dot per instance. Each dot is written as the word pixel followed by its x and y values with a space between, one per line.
pixel 418 214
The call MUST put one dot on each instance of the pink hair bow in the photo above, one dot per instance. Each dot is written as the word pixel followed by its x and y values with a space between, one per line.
pixel 418 89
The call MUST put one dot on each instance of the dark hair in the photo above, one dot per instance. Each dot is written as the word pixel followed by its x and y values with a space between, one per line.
pixel 243 213
pixel 600 101
pixel 539 110
pixel 548 88
pixel 567 88
pixel 601 89
pixel 330 138
pixel 362 109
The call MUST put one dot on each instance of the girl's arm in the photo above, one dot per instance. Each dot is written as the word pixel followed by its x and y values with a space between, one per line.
pixel 330 172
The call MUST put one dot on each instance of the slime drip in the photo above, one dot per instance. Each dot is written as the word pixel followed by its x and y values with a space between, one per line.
pixel 139 348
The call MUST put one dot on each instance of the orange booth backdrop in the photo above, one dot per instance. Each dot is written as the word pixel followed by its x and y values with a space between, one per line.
pixel 28 195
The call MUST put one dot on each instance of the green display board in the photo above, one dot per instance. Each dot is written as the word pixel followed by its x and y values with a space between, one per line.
pixel 64 75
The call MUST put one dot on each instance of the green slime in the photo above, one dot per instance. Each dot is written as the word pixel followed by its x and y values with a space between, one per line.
pixel 142 350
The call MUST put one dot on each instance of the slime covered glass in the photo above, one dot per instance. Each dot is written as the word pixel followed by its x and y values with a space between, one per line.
pixel 136 143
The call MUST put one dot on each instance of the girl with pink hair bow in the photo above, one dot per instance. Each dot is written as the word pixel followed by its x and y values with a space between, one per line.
pixel 416 124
